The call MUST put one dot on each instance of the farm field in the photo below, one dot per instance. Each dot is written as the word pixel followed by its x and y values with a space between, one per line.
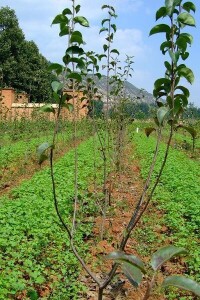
pixel 36 260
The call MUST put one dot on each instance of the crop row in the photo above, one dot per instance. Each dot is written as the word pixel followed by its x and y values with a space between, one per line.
pixel 177 195
pixel 35 254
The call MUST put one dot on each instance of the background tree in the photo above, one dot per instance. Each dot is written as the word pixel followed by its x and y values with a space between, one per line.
pixel 23 67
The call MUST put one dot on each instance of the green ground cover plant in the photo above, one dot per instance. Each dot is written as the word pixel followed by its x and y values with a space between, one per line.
pixel 177 196
pixel 34 250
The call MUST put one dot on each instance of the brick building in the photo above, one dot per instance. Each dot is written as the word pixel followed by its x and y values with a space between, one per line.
pixel 16 105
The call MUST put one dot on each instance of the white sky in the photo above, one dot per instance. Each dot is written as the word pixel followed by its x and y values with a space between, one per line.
pixel 135 19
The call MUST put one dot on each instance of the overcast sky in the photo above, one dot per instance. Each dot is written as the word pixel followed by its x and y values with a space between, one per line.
pixel 135 19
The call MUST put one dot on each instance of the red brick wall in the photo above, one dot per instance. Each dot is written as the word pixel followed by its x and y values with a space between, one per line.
pixel 16 106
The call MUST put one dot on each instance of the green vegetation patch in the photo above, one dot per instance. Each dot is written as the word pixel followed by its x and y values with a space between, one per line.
pixel 177 196
pixel 35 252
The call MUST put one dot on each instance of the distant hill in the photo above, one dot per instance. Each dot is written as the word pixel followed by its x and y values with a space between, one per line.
pixel 135 94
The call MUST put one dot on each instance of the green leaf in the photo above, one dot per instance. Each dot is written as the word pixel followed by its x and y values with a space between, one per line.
pixel 165 46
pixel 183 99
pixel 149 130
pixel 114 27
pixel 184 90
pixel 188 6
pixel 64 31
pixel 76 37
pixel 160 28
pixel 103 29
pixel 191 130
pixel 75 50
pixel 67 11
pixel 98 75
pixel 181 43
pixel 174 56
pixel 75 76
pixel 170 5
pixel 162 113
pixel 47 108
pixel 169 101
pixel 184 55
pixel 69 106
pixel 56 86
pixel 41 151
pixel 188 37
pixel 187 74
pixel 121 257
pixel 105 47
pixel 132 272
pixel 162 82
pixel 82 21
pixel 182 283
pixel 186 19
pixel 161 12
pixel 168 66
pixel 104 21
pixel 164 254
pixel 77 8
pixel 60 19
pixel 115 51
pixel 56 67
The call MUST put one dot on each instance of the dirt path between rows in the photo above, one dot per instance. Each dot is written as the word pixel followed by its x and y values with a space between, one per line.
pixel 127 188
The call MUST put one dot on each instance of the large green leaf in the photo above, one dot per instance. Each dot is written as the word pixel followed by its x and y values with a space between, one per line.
pixel 170 5
pixel 64 30
pixel 186 19
pixel 161 82
pixel 114 51
pixel 188 37
pixel 56 86
pixel 82 21
pixel 161 12
pixel 56 67
pixel 74 75
pixel 104 21
pixel 191 130
pixel 164 254
pixel 60 19
pixel 162 113
pixel 187 73
pixel 183 99
pixel 165 46
pixel 114 27
pixel 133 274
pixel 74 50
pixel 188 6
pixel 168 66
pixel 76 37
pixel 122 257
pixel 77 8
pixel 41 151
pixel 184 55
pixel 103 29
pixel 181 43
pixel 160 28
pixel 182 283
pixel 67 11
pixel 184 90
